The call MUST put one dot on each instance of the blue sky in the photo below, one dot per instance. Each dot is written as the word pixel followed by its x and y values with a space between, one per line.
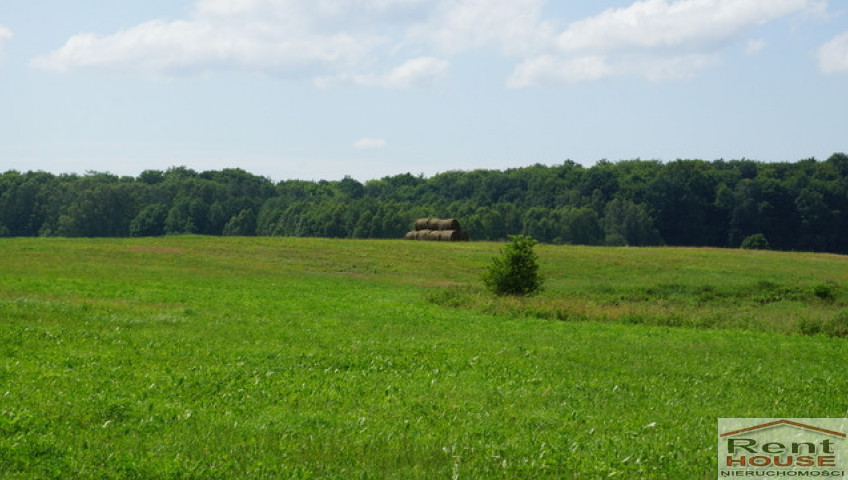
pixel 320 89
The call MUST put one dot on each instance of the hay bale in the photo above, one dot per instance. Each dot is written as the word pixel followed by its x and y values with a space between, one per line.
pixel 437 229
pixel 448 235
pixel 447 224
pixel 437 224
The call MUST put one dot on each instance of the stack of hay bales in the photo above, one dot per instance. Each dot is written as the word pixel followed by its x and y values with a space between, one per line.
pixel 437 229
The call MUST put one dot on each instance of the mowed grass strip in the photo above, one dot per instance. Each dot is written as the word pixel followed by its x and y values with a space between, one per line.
pixel 193 357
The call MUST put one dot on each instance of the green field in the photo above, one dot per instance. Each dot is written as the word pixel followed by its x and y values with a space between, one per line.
pixel 203 358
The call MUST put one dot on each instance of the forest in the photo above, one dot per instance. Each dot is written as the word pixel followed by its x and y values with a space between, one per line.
pixel 800 206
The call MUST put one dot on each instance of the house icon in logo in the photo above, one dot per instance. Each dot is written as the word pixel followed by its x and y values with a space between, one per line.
pixel 783 422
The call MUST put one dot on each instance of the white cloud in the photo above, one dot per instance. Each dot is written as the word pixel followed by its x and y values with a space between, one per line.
pixel 654 39
pixel 5 36
pixel 689 24
pixel 293 38
pixel 160 47
pixel 833 55
pixel 550 70
pixel 370 144
pixel 515 26
pixel 414 73
pixel 327 40
pixel 411 43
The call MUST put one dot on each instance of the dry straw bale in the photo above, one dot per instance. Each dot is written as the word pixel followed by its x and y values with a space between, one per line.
pixel 449 224
pixel 448 235
pixel 437 224
pixel 437 229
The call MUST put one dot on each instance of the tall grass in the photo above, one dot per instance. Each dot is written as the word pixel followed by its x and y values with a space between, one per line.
pixel 194 357
pixel 703 288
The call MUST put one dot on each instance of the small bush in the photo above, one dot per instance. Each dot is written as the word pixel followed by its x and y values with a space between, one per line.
pixel 825 291
pixel 516 271
pixel 756 241
pixel 808 326
pixel 837 326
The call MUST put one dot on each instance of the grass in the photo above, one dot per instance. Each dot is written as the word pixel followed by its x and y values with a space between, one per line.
pixel 194 357
pixel 702 288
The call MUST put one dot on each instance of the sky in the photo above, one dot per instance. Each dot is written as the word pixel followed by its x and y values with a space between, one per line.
pixel 323 89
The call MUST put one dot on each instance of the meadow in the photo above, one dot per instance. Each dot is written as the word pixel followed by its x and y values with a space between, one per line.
pixel 244 357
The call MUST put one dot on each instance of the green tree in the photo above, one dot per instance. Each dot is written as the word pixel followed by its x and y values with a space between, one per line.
pixel 756 241
pixel 150 222
pixel 626 223
pixel 516 271
pixel 243 224
pixel 579 226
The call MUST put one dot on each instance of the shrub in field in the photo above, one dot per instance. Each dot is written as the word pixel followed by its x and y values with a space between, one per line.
pixel 837 326
pixel 756 241
pixel 825 291
pixel 516 271
pixel 809 326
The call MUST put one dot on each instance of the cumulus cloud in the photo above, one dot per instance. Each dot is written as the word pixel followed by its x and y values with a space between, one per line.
pixel 833 55
pixel 654 39
pixel 412 43
pixel 5 36
pixel 686 24
pixel 206 44
pixel 414 73
pixel 370 144
pixel 329 41
pixel 512 26
pixel 293 38
pixel 551 70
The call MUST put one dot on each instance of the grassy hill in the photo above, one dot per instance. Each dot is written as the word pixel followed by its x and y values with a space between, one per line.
pixel 197 357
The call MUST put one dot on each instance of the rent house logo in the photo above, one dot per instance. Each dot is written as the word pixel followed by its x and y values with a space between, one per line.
pixel 782 448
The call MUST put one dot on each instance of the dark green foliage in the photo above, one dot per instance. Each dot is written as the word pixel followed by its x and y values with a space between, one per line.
pixel 826 291
pixel 797 206
pixel 516 271
pixel 150 222
pixel 243 224
pixel 836 326
pixel 756 241
pixel 626 223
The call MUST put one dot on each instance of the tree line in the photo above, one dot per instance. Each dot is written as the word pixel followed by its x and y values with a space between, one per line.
pixel 799 205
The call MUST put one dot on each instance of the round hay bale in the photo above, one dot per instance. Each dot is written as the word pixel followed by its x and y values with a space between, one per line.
pixel 433 235
pixel 448 224
pixel 448 235
pixel 409 235
pixel 422 224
